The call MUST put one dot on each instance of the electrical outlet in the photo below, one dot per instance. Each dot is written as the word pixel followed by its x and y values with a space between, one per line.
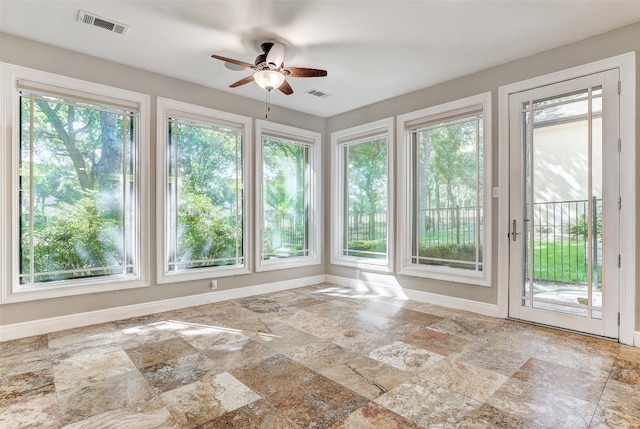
pixel 214 284
pixel 357 273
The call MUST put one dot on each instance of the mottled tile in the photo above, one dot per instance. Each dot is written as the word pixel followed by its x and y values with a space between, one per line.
pixel 281 336
pixel 230 356
pixel 626 371
pixel 471 328
pixel 273 374
pixel 584 343
pixel 30 361
pixel 205 337
pixel 256 415
pixel 79 403
pixel 231 393
pixel 201 402
pixel 146 414
pixel 437 342
pixel 357 339
pixel 374 416
pixel 135 332
pixel 489 417
pixel 317 402
pixel 365 376
pixel 20 387
pixel 261 304
pixel 620 398
pixel 162 351
pixel 542 406
pixel 77 372
pixel 503 361
pixel 629 353
pixel 23 345
pixel 611 419
pixel 577 383
pixel 466 379
pixel 179 372
pixel 576 356
pixel 318 355
pixel 437 310
pixel 37 412
pixel 405 357
pixel 427 404
pixel 295 298
pixel 79 343
pixel 517 336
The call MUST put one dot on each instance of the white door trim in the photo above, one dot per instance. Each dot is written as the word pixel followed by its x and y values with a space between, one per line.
pixel 626 63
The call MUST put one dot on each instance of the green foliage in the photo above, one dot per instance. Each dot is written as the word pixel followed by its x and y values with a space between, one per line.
pixel 581 227
pixel 204 233
pixel 379 245
pixel 461 252
pixel 76 236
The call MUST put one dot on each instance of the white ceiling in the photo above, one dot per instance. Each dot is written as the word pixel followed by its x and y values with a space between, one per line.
pixel 372 50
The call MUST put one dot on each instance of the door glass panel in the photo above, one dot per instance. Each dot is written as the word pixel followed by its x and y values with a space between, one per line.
pixel 562 225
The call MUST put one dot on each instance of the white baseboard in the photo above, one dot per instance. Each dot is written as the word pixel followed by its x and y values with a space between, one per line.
pixel 636 338
pixel 45 326
pixel 416 295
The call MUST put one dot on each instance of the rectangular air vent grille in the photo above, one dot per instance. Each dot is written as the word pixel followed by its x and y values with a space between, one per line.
pixel 317 93
pixel 96 21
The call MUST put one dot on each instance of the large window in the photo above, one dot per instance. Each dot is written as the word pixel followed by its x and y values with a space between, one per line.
pixel 446 193
pixel 203 199
pixel 78 184
pixel 361 194
pixel 288 196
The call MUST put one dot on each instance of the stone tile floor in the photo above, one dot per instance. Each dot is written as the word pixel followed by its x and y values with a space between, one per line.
pixel 318 357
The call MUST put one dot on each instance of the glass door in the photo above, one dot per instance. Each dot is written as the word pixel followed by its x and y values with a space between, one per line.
pixel 564 189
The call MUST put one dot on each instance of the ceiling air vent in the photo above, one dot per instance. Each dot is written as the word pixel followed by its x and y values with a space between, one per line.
pixel 317 93
pixel 96 21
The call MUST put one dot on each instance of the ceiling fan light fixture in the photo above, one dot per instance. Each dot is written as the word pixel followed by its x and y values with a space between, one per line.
pixel 269 79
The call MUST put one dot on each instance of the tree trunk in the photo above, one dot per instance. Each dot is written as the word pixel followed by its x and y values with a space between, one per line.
pixel 108 169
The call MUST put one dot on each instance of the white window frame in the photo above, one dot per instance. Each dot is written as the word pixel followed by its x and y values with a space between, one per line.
pixel 339 141
pixel 11 290
pixel 165 108
pixel 445 110
pixel 314 256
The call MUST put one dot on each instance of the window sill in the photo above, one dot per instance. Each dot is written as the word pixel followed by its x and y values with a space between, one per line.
pixel 202 273
pixel 448 274
pixel 70 288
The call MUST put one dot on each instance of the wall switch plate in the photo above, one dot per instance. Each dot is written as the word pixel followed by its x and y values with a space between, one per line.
pixel 495 192
pixel 214 284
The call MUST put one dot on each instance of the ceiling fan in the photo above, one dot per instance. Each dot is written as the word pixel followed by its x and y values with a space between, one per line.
pixel 270 72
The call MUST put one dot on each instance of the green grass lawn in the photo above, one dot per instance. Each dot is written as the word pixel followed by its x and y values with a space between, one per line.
pixel 564 262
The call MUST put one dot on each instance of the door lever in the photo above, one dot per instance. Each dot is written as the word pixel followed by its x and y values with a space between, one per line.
pixel 513 230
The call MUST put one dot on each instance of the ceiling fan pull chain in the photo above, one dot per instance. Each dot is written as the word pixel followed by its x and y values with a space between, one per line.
pixel 267 102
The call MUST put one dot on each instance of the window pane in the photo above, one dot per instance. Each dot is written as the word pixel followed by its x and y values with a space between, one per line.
pixel 448 194
pixel 365 222
pixel 76 185
pixel 204 191
pixel 285 198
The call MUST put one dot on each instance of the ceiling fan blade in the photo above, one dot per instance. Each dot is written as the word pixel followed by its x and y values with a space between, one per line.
pixel 275 55
pixel 304 72
pixel 285 88
pixel 232 61
pixel 241 82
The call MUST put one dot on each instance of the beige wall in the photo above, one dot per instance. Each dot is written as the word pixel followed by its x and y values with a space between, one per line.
pixel 43 57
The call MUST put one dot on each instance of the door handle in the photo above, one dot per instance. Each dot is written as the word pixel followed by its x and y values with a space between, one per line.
pixel 513 230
